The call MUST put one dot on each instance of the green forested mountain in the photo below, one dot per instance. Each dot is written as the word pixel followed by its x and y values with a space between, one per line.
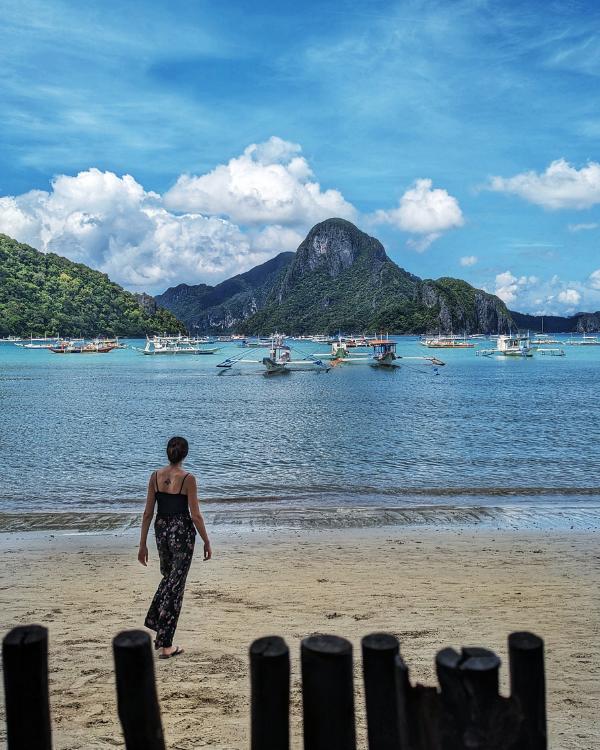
pixel 43 292
pixel 226 305
pixel 339 279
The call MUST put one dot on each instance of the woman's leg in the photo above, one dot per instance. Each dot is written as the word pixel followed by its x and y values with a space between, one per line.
pixel 180 541
pixel 153 618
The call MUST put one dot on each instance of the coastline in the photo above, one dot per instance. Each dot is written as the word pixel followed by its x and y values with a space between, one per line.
pixel 430 586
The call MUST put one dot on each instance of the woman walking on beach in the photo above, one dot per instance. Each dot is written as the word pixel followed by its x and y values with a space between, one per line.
pixel 178 516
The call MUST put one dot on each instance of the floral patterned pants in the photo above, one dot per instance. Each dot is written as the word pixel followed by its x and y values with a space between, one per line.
pixel 175 538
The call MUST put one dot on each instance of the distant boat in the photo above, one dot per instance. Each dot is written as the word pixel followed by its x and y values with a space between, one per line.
pixel 584 341
pixel 447 342
pixel 510 345
pixel 42 342
pixel 173 345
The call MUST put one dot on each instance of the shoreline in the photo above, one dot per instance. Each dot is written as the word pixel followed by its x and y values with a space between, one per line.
pixel 584 517
pixel 431 587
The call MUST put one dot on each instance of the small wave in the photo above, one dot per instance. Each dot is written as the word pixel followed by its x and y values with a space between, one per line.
pixel 507 517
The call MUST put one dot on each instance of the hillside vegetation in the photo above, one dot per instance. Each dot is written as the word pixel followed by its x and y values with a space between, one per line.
pixel 44 292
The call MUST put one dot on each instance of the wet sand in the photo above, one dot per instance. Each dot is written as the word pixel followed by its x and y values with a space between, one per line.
pixel 431 588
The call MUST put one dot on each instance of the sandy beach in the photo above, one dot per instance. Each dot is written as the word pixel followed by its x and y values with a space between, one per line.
pixel 431 588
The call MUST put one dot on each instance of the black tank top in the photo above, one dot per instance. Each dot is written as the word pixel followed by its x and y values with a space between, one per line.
pixel 169 503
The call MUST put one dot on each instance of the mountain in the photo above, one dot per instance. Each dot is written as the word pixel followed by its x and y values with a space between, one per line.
pixel 578 323
pixel 339 279
pixel 44 292
pixel 227 305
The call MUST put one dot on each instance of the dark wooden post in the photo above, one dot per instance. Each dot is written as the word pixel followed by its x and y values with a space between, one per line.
pixel 528 687
pixel 403 702
pixel 270 687
pixel 25 659
pixel 379 651
pixel 327 693
pixel 470 699
pixel 136 691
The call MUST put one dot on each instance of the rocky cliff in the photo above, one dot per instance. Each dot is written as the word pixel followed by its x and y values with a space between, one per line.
pixel 339 279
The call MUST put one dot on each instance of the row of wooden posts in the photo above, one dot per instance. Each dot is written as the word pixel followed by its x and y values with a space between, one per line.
pixel 466 712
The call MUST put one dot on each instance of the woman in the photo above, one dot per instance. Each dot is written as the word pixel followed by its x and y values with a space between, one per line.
pixel 176 494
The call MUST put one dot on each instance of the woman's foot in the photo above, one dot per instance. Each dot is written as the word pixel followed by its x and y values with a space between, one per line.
pixel 168 651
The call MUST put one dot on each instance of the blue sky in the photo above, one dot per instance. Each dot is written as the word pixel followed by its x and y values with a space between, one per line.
pixel 432 125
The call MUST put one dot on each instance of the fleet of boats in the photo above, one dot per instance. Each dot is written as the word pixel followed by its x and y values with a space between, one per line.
pixel 281 356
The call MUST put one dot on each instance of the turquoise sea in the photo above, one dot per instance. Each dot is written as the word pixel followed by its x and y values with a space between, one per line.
pixel 500 442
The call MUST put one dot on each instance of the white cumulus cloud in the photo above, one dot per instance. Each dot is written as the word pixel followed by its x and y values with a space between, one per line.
pixel 559 186
pixel 269 183
pixel 583 227
pixel 594 280
pixel 468 260
pixel 425 211
pixel 111 223
pixel 569 297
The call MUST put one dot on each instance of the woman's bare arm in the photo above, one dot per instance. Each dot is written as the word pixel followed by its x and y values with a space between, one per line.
pixel 146 521
pixel 194 506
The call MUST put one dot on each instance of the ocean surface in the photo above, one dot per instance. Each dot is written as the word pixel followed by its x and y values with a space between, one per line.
pixel 495 441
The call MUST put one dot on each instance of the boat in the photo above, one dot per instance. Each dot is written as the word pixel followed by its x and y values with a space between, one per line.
pixel 584 341
pixel 541 339
pixel 510 345
pixel 173 345
pixel 384 353
pixel 447 342
pixel 68 346
pixel 42 342
pixel 279 360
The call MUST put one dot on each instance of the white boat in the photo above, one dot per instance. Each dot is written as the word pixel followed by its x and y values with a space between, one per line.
pixel 585 340
pixel 42 342
pixel 447 342
pixel 510 345
pixel 173 345
pixel 279 360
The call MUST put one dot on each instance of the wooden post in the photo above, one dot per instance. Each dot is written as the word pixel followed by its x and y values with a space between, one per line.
pixel 479 670
pixel 327 693
pixel 25 659
pixel 528 687
pixel 136 691
pixel 404 702
pixel 270 688
pixel 379 651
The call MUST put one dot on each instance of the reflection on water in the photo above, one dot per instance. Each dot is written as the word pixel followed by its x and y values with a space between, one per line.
pixel 83 433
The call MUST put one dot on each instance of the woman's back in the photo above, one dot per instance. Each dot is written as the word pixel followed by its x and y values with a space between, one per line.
pixel 170 502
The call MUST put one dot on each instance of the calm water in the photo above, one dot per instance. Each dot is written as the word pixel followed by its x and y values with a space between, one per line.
pixel 499 440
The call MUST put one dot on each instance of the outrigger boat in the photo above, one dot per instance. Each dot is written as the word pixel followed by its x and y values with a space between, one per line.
pixel 584 341
pixel 384 355
pixel 279 360
pixel 173 345
pixel 510 345
pixel 43 342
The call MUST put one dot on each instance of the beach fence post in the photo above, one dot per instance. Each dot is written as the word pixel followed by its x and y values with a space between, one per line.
pixel 379 651
pixel 137 701
pixel 327 693
pixel 528 687
pixel 25 660
pixel 270 694
pixel 473 714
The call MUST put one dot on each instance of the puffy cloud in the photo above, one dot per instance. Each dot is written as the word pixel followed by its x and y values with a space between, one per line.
pixel 468 260
pixel 594 280
pixel 425 211
pixel 560 186
pixel 269 183
pixel 508 286
pixel 276 239
pixel 569 297
pixel 113 224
